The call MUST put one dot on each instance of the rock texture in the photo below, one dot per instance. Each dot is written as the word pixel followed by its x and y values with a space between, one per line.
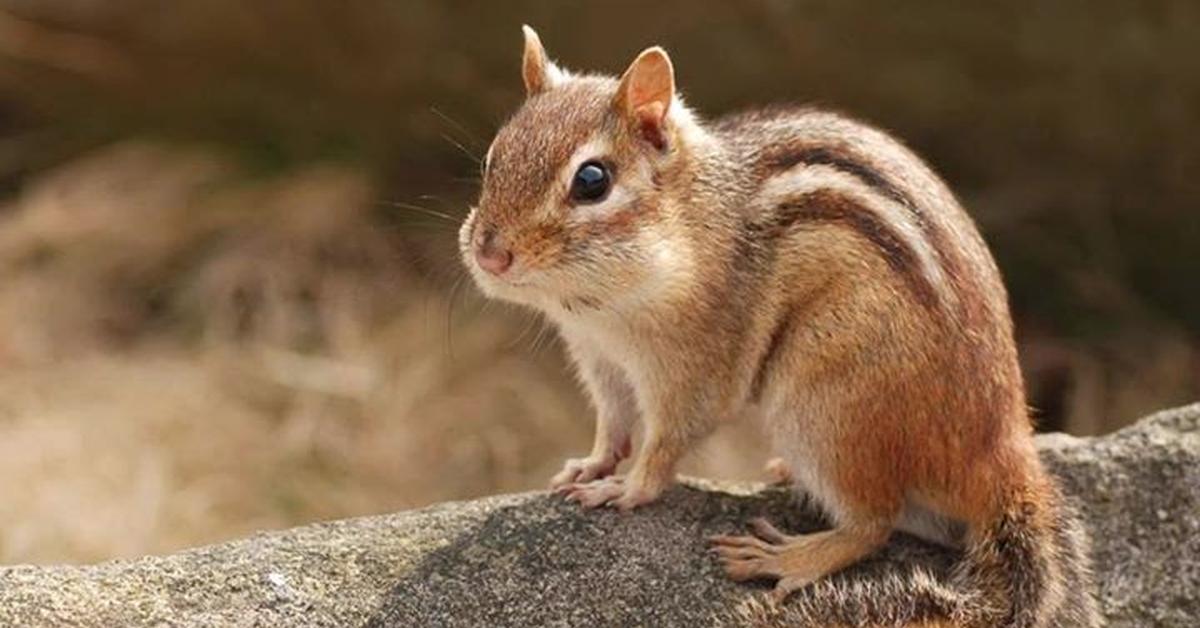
pixel 530 559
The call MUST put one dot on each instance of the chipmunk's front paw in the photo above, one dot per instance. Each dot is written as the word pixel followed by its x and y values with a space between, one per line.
pixel 778 472
pixel 582 470
pixel 614 491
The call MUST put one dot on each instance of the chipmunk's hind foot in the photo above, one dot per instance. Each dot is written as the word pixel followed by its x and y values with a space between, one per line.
pixel 794 561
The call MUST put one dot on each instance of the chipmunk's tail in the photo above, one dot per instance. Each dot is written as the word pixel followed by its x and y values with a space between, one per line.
pixel 1029 567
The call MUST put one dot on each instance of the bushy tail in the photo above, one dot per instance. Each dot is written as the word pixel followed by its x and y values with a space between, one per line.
pixel 1029 568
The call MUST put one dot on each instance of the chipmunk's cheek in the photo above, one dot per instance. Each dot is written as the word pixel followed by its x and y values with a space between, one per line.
pixel 671 262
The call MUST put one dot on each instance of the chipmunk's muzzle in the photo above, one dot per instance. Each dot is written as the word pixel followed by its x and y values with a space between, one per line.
pixel 491 253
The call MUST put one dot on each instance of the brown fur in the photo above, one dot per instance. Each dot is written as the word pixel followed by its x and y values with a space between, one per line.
pixel 826 206
pixel 806 269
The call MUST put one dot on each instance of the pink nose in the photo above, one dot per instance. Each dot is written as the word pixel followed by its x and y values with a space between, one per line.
pixel 490 254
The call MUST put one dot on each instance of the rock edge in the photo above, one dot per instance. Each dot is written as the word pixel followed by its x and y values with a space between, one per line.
pixel 530 559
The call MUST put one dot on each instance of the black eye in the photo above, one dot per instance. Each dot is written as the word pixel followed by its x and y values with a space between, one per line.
pixel 591 183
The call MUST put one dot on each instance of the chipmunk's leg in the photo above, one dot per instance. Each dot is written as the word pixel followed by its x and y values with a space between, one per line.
pixel 653 471
pixel 616 413
pixel 797 560
pixel 676 419
pixel 864 509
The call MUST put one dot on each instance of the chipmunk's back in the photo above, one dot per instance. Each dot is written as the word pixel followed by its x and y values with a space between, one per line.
pixel 899 202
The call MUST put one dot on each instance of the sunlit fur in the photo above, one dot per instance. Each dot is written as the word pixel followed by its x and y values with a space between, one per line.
pixel 807 270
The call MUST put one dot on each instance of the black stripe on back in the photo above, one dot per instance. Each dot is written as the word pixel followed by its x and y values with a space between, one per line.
pixel 840 160
pixel 827 206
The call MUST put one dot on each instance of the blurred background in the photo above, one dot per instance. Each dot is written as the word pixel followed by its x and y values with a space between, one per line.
pixel 229 292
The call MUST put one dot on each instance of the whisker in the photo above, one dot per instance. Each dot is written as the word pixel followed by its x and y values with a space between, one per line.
pixel 542 334
pixel 423 210
pixel 469 154
pixel 454 123
pixel 405 224
pixel 437 199
pixel 530 321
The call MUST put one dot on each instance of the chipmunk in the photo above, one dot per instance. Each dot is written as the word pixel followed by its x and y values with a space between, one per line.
pixel 793 265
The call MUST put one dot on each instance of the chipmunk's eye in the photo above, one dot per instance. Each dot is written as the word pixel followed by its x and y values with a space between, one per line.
pixel 591 183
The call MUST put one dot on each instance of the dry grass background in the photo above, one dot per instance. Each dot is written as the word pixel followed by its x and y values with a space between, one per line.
pixel 229 292
pixel 288 367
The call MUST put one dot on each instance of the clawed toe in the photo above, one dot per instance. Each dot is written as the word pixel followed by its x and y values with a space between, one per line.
pixel 597 493
pixel 741 570
pixel 613 491
pixel 745 557
pixel 768 532
pixel 726 551
pixel 794 561
pixel 724 540
pixel 582 471
pixel 759 555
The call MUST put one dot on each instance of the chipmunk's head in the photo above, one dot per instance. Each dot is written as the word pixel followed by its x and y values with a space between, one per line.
pixel 579 188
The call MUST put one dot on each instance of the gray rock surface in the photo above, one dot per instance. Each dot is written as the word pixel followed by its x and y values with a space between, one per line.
pixel 531 559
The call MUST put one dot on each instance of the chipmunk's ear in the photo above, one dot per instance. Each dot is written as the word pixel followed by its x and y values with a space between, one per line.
pixel 539 72
pixel 645 94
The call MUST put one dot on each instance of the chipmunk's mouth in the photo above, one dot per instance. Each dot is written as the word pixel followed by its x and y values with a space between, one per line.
pixel 509 285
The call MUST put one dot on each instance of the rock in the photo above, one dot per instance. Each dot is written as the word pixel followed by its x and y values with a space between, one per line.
pixel 1139 490
pixel 531 559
